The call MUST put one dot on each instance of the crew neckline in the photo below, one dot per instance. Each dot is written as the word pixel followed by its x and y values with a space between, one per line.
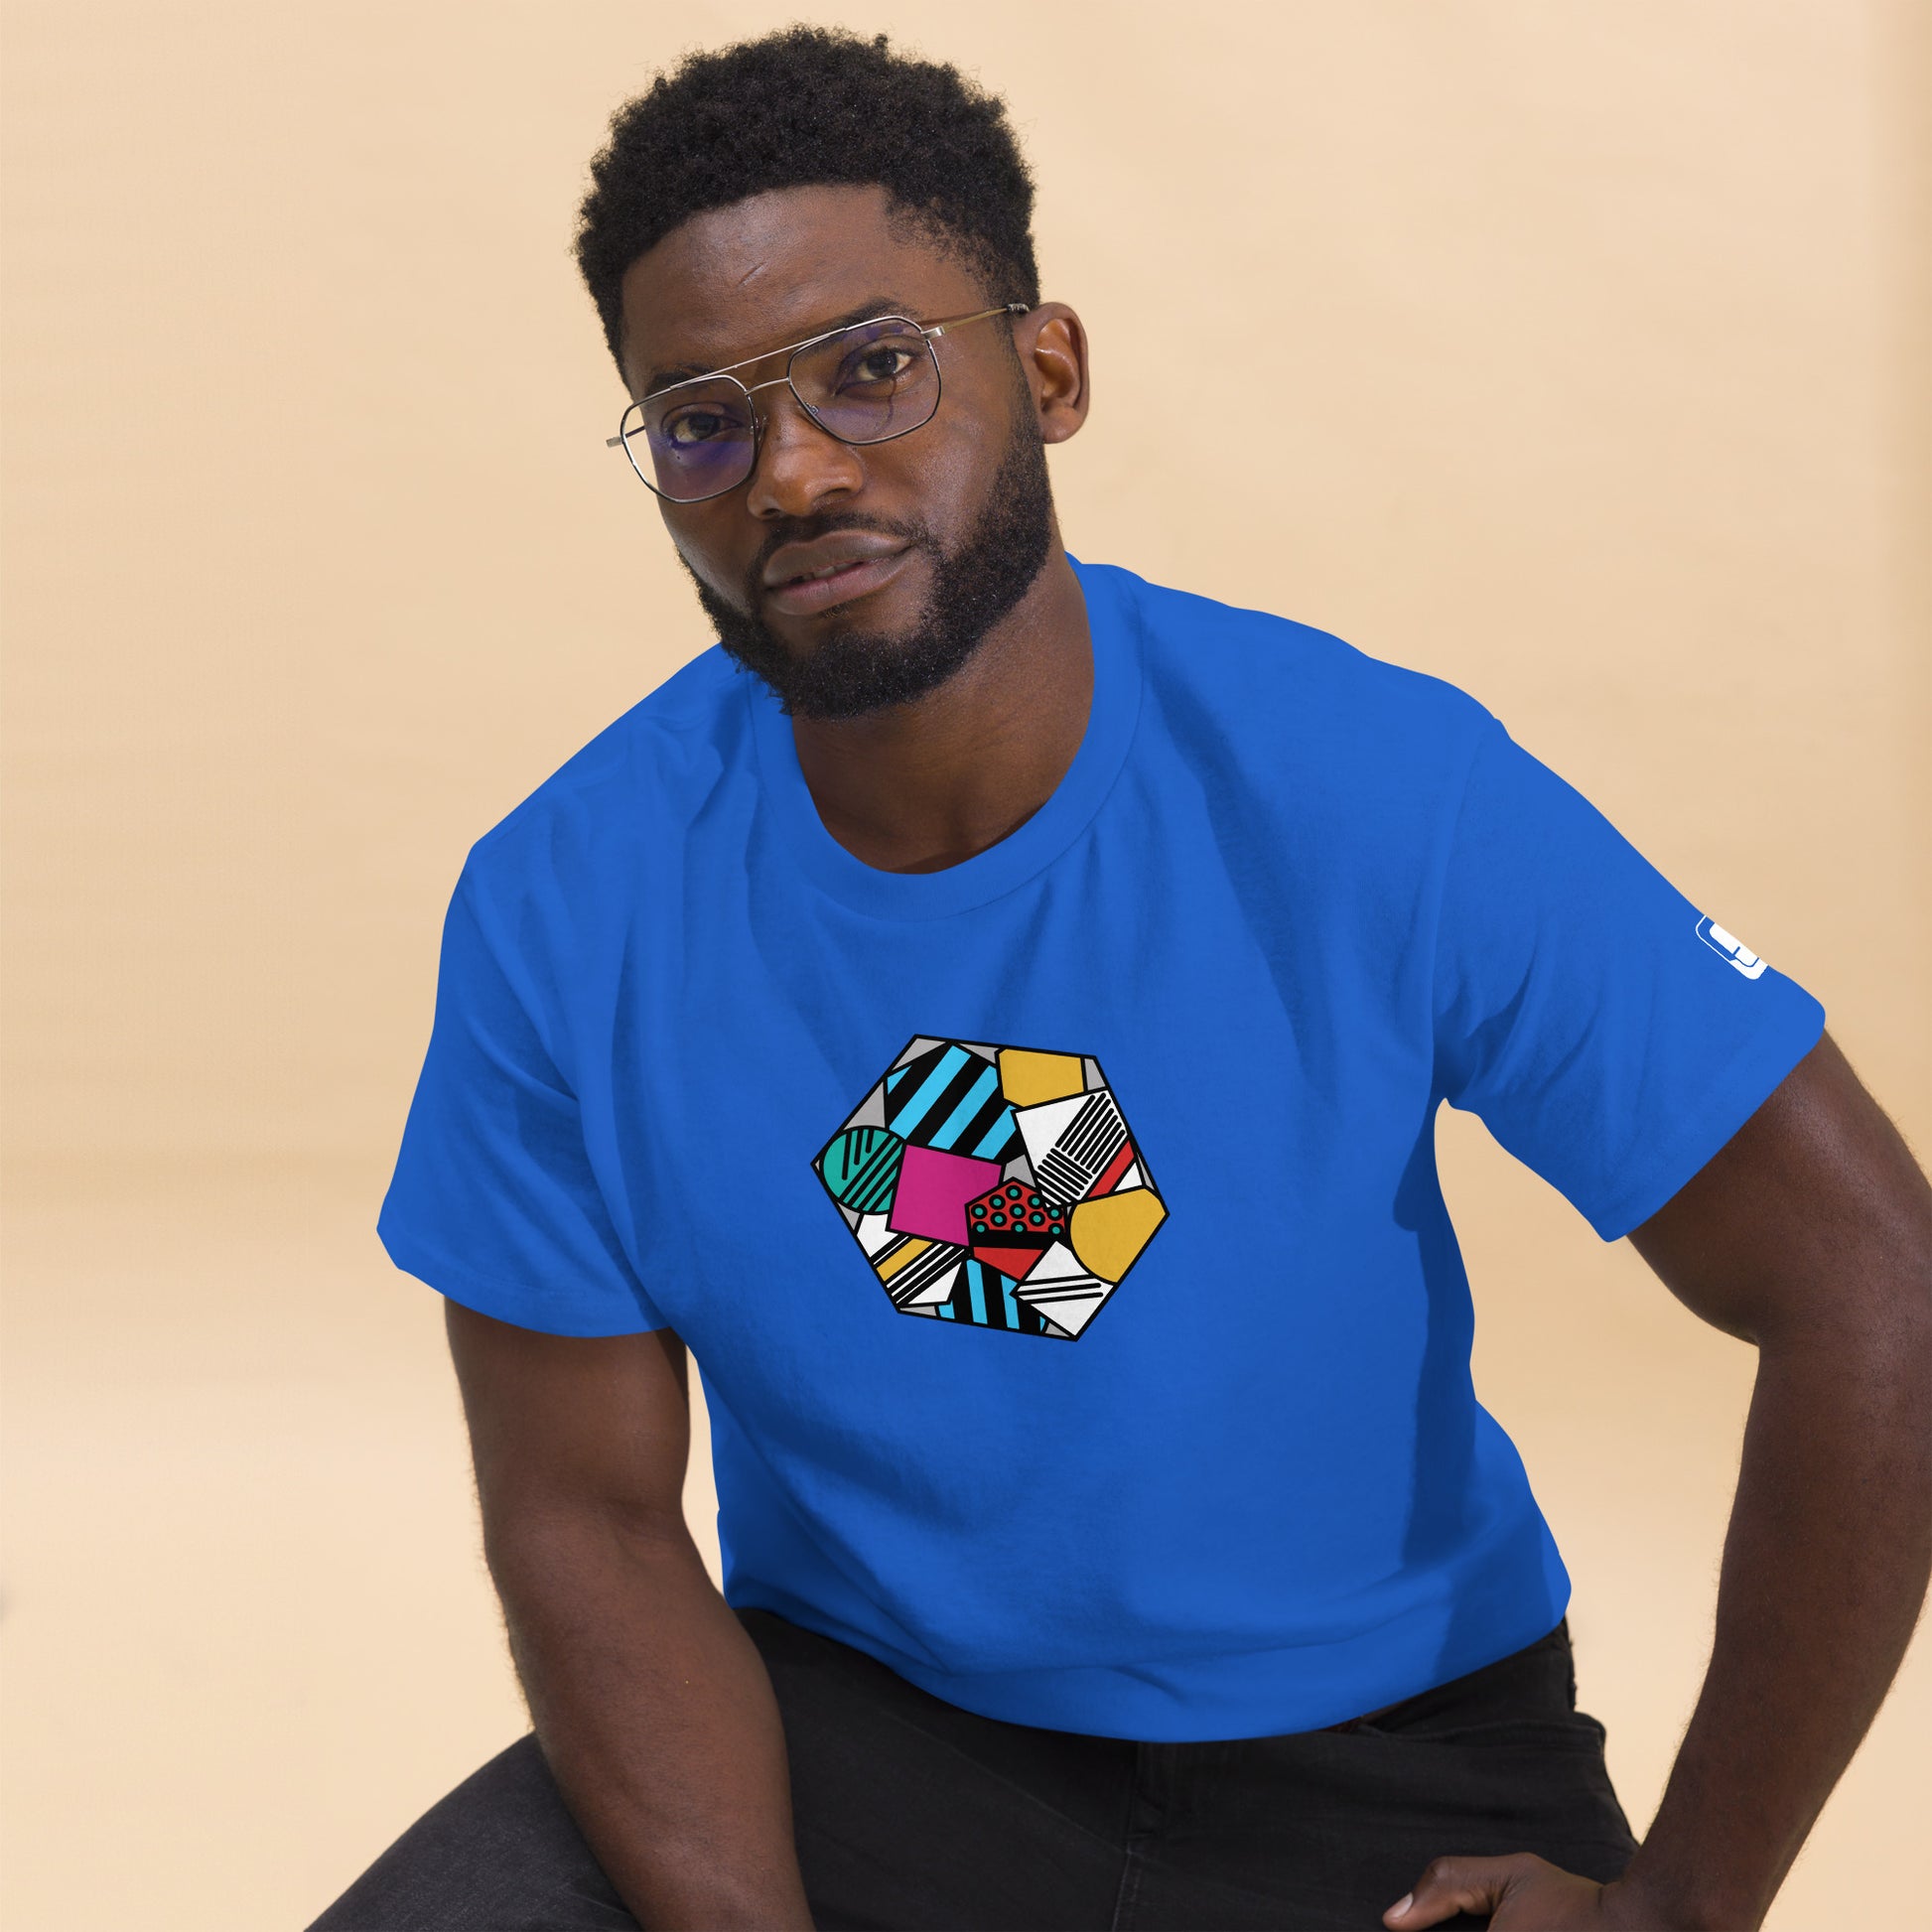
pixel 1113 626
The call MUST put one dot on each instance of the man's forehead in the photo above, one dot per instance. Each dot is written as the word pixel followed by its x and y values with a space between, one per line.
pixel 740 281
pixel 743 347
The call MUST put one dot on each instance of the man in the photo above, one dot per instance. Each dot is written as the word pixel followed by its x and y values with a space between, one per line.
pixel 1001 1038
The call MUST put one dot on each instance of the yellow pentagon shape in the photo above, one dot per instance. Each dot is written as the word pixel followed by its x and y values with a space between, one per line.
pixel 1026 1078
pixel 1107 1234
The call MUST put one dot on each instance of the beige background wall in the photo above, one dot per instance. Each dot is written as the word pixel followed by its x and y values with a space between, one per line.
pixel 1592 376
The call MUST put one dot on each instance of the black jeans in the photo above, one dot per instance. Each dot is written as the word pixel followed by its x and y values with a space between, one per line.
pixel 912 1813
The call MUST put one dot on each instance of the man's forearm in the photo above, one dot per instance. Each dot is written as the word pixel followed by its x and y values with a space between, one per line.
pixel 1825 1568
pixel 656 1717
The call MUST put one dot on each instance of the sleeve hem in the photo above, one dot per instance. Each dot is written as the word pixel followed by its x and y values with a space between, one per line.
pixel 522 1306
pixel 1750 1079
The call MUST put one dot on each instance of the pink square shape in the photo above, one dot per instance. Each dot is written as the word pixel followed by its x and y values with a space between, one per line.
pixel 934 1189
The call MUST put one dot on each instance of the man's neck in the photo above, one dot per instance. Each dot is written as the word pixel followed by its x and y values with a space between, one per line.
pixel 917 787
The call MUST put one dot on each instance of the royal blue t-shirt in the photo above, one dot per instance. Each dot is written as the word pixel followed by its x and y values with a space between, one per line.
pixel 1058 1234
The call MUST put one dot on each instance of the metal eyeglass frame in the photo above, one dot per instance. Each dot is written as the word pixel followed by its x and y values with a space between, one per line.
pixel 791 352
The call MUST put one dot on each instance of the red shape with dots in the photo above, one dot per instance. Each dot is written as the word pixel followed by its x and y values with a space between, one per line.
pixel 1011 1226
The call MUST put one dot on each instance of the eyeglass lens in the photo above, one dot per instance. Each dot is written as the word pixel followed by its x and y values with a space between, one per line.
pixel 865 384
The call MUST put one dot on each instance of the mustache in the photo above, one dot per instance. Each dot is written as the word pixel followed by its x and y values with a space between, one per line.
pixel 808 529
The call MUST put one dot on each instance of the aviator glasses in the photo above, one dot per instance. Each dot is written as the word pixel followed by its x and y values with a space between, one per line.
pixel 865 382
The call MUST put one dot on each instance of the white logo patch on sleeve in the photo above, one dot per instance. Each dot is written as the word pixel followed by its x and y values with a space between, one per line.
pixel 1730 948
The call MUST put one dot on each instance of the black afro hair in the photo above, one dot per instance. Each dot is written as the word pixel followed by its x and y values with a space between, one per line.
pixel 797 108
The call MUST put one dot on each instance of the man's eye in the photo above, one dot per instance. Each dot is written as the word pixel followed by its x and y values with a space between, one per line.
pixel 695 426
pixel 885 363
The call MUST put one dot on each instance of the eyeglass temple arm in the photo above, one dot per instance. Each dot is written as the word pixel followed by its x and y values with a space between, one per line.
pixel 939 329
pixel 960 322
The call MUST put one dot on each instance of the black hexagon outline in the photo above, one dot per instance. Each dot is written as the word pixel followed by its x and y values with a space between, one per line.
pixel 1005 1045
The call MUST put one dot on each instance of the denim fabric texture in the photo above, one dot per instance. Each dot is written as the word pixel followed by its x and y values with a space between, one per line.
pixel 912 1813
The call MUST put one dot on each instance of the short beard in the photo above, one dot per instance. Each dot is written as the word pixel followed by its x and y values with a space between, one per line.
pixel 852 671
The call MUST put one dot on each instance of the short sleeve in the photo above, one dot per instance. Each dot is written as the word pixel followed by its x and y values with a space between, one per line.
pixel 494 1201
pixel 1606 1032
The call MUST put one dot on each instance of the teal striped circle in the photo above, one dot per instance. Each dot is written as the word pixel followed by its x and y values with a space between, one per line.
pixel 861 1168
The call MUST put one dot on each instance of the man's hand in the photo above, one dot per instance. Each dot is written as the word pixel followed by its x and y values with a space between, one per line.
pixel 1524 1893
pixel 1810 1235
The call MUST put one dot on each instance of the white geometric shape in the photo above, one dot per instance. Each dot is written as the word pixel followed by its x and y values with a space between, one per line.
pixel 935 1292
pixel 1071 1141
pixel 1060 1291
pixel 1071 1313
pixel 873 1232
pixel 1039 1127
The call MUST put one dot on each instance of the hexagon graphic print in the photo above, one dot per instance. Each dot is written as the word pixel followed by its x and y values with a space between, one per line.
pixel 995 1186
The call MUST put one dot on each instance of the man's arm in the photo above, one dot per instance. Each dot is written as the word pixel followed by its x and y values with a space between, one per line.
pixel 653 1707
pixel 1809 1235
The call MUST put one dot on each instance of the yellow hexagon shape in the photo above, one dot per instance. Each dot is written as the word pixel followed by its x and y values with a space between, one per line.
pixel 1109 1233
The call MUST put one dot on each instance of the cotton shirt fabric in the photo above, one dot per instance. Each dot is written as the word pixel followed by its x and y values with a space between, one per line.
pixel 1215 1466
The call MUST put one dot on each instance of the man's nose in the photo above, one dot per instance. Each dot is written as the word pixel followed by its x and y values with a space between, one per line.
pixel 800 468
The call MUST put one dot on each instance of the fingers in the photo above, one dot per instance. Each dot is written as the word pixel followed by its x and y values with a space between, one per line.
pixel 1452 1886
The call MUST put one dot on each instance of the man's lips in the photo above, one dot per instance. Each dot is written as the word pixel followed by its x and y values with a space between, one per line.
pixel 804 578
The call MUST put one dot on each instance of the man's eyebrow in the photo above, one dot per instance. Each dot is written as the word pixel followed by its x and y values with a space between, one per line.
pixel 882 305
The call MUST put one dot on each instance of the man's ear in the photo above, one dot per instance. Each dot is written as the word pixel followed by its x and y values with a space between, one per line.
pixel 1053 347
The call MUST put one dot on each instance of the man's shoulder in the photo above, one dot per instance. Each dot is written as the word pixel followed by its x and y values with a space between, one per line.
pixel 1249 674
pixel 602 805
